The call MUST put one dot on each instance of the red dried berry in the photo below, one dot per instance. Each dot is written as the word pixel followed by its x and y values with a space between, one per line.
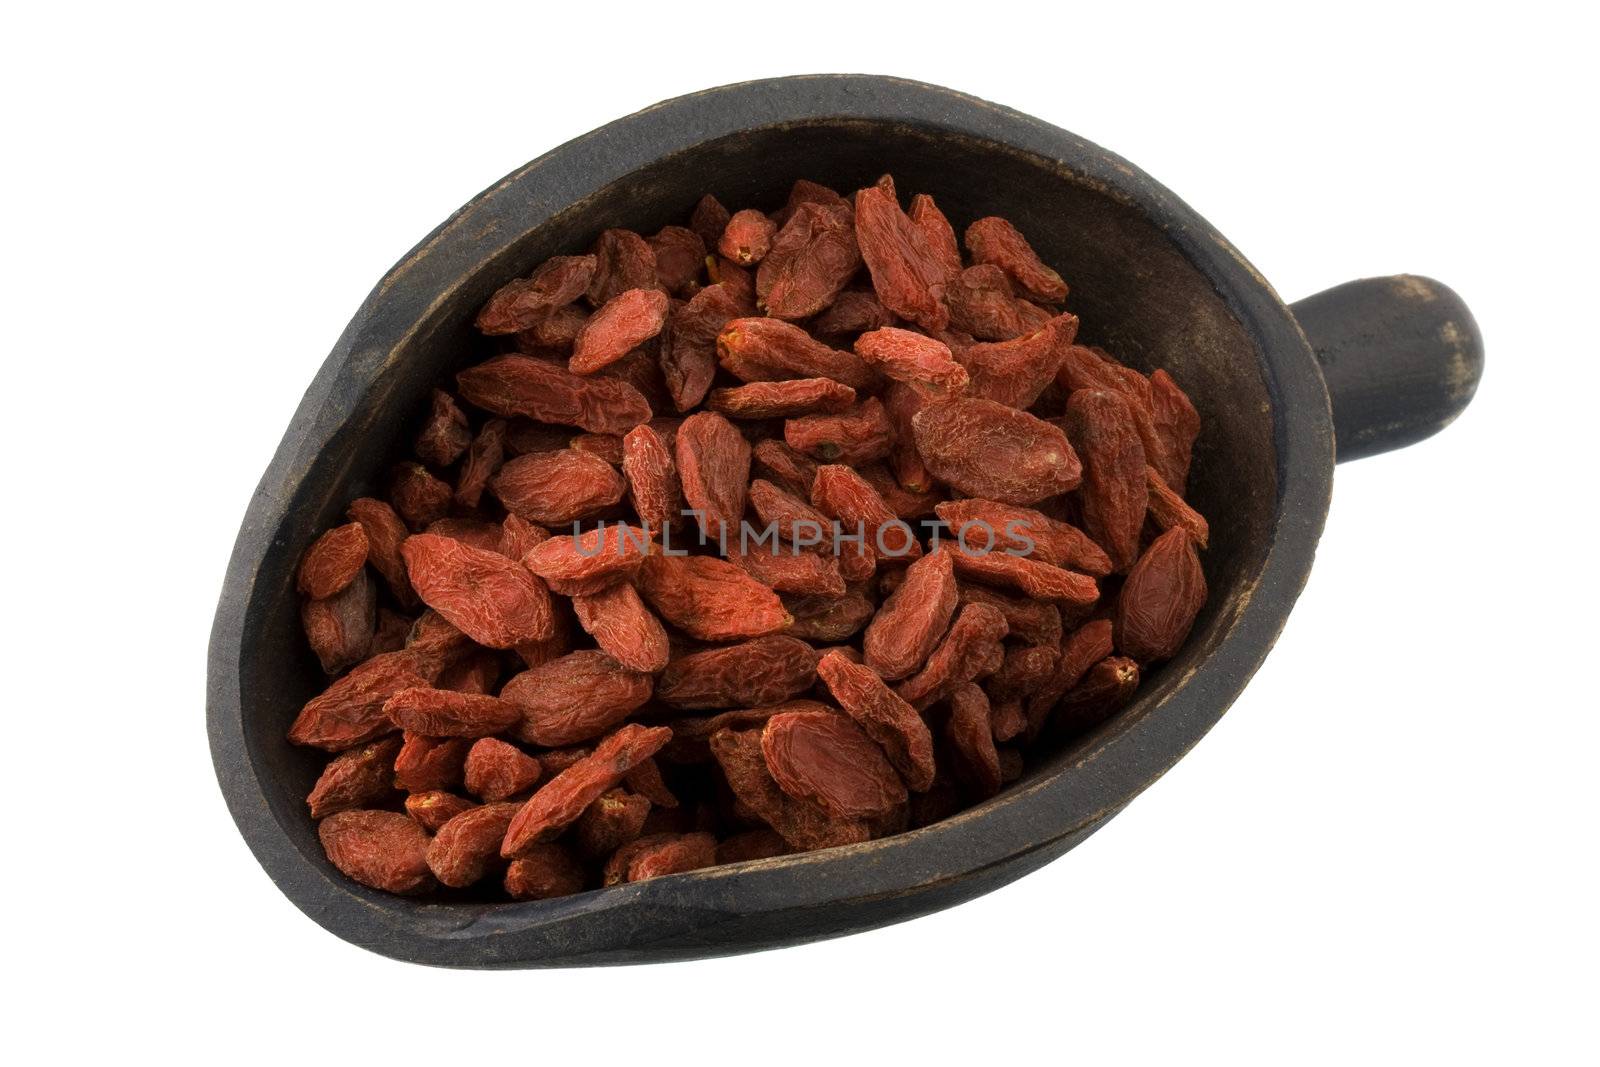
pixel 776 400
pixel 591 561
pixel 333 561
pixel 623 261
pixel 544 392
pixel 767 670
pixel 713 461
pixel 886 718
pixel 994 240
pixel 1158 603
pixel 561 800
pixel 990 450
pixel 381 849
pixel 915 359
pixel 826 758
pixel 802 823
pixel 557 488
pixel 624 628
pixel 747 237
pixel 360 778
pixel 710 599
pixel 493 600
pixel 1115 497
pixel 523 303
pixel 445 713
pixel 622 324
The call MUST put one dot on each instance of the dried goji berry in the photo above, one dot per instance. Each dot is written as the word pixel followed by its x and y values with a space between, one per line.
pixel 747 237
pixel 1032 621
pixel 385 531
pixel 1168 509
pixel 518 536
pixel 769 350
pixel 622 324
pixel 983 305
pixel 554 333
pixel 788 469
pixel 688 348
pixel 886 718
pixel 333 561
pixel 465 848
pixel 710 599
pixel 556 488
pixel 445 434
pixel 978 524
pixel 652 478
pixel 430 764
pixel 360 778
pixel 381 849
pixel 914 358
pixel 1080 650
pixel 766 670
pixel 434 808
pixel 843 494
pixel 990 450
pixel 484 456
pixel 615 818
pixel 544 392
pixel 791 571
pixel 496 770
pixel 624 628
pixel 1160 599
pixel 493 600
pixel 339 628
pixel 542 872
pixel 826 758
pixel 596 559
pixel 561 800
pixel 623 261
pixel 802 823
pixel 521 304
pixel 913 618
pixel 577 697
pixel 811 260
pixel 905 272
pixel 959 657
pixel 1038 580
pixel 709 219
pixel 994 240
pixel 659 855
pixel 474 532
pixel 769 400
pixel 418 496
pixel 350 711
pixel 856 437
pixel 1017 371
pixel 713 461
pixel 1177 424
pixel 938 233
pixel 680 257
pixel 1108 686
pixel 971 739
pixel 853 311
pixel 445 713
pixel 1115 497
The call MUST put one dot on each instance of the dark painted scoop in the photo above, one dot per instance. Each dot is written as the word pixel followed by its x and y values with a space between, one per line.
pixel 1397 357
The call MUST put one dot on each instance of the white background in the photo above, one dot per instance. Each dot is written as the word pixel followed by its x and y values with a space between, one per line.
pixel 1386 850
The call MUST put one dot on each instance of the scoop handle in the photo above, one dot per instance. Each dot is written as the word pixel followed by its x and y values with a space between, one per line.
pixel 1401 356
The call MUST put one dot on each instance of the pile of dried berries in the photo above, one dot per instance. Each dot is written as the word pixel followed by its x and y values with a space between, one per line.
pixel 561 662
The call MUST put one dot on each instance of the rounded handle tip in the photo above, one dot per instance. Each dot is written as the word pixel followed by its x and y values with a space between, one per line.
pixel 1402 357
